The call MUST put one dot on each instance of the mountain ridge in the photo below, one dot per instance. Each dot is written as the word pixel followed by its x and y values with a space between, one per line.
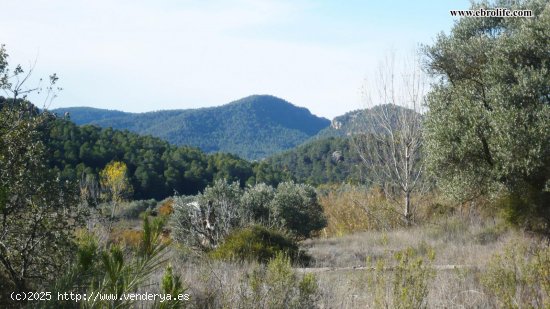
pixel 254 127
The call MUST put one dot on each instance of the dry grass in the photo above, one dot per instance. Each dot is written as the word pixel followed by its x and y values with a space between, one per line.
pixel 461 236
pixel 456 241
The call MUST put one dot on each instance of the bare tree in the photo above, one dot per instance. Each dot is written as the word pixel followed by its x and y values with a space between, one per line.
pixel 391 145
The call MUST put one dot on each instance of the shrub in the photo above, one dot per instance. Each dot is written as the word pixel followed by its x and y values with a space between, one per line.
pixel 203 221
pixel 111 270
pixel 126 237
pixel 166 208
pixel 519 277
pixel 352 209
pixel 278 286
pixel 257 243
pixel 132 210
pixel 404 284
pixel 526 208
pixel 256 201
pixel 171 285
pixel 297 208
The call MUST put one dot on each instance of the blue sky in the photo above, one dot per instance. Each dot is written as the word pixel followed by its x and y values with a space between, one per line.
pixel 140 56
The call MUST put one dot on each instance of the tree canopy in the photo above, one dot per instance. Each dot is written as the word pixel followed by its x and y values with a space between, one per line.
pixel 155 168
pixel 488 126
pixel 38 210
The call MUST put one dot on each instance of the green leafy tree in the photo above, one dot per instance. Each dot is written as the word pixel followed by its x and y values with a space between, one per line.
pixel 488 126
pixel 38 211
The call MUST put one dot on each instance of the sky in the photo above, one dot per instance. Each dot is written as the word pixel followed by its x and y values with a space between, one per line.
pixel 138 56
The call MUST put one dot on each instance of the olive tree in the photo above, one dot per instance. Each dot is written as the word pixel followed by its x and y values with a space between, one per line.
pixel 487 128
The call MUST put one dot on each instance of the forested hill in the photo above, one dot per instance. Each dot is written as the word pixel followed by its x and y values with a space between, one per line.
pixel 86 115
pixel 254 127
pixel 360 121
pixel 156 169
pixel 330 156
pixel 327 160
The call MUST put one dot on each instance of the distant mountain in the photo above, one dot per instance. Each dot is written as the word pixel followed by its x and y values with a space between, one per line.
pixel 254 127
pixel 330 156
pixel 359 121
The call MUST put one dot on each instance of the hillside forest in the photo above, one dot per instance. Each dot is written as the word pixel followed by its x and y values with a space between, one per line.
pixel 435 195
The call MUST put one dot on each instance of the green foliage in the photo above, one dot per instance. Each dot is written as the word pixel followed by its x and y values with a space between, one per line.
pixel 38 211
pixel 297 208
pixel 155 169
pixel 256 200
pixel 402 281
pixel 205 220
pixel 257 243
pixel 254 127
pixel 488 123
pixel 112 271
pixel 278 286
pixel 328 160
pixel 171 285
pixel 520 276
pixel 133 209
pixel 526 207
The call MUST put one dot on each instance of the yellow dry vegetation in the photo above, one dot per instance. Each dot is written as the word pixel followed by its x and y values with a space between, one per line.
pixel 114 180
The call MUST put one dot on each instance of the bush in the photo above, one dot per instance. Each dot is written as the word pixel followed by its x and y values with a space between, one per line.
pixel 203 221
pixel 256 200
pixel 132 210
pixel 528 208
pixel 257 243
pixel 126 237
pixel 352 209
pixel 297 208
pixel 112 269
pixel 519 277
pixel 278 286
pixel 406 285
pixel 171 285
pixel 166 207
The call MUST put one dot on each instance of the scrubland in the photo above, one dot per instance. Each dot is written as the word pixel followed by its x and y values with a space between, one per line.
pixel 452 256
